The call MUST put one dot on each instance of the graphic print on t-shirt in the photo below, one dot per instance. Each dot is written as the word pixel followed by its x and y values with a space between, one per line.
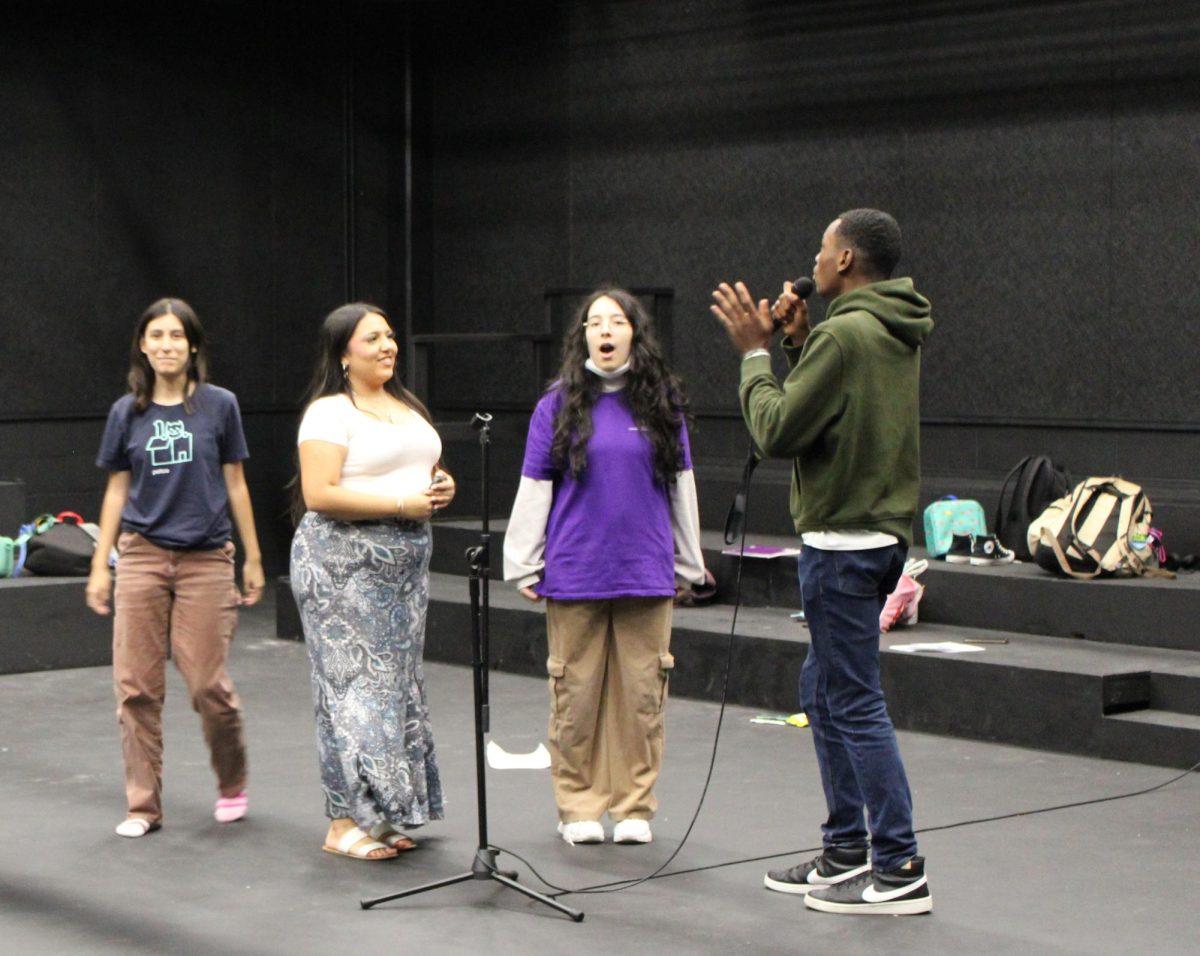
pixel 171 444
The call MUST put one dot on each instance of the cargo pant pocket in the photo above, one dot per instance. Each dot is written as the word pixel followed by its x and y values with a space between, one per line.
pixel 666 664
pixel 557 670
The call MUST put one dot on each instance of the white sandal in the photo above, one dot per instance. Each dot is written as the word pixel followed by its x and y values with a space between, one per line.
pixel 400 842
pixel 346 846
pixel 136 827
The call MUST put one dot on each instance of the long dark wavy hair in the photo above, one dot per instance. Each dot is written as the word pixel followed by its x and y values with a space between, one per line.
pixel 141 374
pixel 333 339
pixel 655 395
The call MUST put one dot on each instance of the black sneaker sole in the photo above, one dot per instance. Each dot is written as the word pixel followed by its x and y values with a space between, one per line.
pixel 914 905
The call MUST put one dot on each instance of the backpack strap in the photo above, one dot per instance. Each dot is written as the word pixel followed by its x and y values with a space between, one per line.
pixel 1138 514
pixel 39 525
pixel 1068 535
pixel 1008 480
pixel 1128 509
pixel 1121 503
pixel 22 544
pixel 1064 563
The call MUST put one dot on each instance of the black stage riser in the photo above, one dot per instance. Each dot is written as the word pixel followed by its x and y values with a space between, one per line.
pixel 1147 612
pixel 47 626
pixel 1044 709
pixel 1135 711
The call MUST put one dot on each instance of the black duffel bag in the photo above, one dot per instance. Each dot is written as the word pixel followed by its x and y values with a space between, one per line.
pixel 62 549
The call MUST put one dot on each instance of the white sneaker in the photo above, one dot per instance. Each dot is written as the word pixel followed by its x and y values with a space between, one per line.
pixel 136 827
pixel 632 831
pixel 582 831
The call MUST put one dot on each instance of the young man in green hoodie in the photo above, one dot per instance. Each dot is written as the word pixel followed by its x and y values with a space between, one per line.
pixel 848 416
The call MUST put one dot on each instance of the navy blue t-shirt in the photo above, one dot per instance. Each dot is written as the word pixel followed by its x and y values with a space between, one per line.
pixel 177 495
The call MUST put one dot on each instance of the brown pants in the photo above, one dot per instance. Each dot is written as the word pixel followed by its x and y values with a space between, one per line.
pixel 189 599
pixel 609 663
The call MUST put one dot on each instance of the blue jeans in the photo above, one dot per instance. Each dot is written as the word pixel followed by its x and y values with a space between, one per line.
pixel 855 742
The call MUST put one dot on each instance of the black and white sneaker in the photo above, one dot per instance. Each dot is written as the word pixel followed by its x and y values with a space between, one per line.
pixel 986 549
pixel 902 891
pixel 960 549
pixel 833 866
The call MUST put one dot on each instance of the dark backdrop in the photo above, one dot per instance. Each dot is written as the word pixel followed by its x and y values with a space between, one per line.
pixel 239 155
pixel 268 161
pixel 1041 158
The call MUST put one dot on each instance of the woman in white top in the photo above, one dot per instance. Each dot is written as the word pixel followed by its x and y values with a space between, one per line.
pixel 369 481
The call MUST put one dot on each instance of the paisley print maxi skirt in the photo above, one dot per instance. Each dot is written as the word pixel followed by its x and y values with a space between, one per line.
pixel 362 588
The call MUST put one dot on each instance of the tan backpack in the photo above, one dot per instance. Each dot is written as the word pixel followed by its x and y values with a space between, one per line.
pixel 1102 527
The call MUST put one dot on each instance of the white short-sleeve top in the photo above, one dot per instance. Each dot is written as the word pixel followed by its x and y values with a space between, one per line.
pixel 381 458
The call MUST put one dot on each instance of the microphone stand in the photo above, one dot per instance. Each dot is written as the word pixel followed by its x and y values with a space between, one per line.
pixel 483 867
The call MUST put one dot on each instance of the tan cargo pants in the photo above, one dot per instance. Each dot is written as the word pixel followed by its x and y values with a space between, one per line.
pixel 609 666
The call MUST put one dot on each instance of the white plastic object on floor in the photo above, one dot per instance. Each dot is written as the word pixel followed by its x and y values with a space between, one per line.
pixel 500 759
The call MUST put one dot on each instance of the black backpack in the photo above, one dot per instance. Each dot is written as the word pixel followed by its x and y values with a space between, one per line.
pixel 1027 490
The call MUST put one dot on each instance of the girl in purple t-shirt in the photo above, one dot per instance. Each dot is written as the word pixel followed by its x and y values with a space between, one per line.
pixel 604 526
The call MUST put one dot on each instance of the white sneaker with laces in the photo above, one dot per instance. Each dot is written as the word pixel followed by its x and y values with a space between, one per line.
pixel 632 831
pixel 582 831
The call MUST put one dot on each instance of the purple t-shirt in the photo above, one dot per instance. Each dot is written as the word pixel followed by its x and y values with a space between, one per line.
pixel 609 533
pixel 177 496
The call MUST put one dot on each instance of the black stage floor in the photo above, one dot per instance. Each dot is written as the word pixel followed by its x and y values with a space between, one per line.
pixel 1112 877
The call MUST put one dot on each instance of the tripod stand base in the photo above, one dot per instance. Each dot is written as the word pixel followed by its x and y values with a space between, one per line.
pixel 482 868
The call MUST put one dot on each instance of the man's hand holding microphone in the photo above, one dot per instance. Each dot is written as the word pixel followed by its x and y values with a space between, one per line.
pixel 750 325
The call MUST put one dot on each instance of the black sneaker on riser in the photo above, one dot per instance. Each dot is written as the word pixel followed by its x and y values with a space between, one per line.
pixel 960 549
pixel 986 549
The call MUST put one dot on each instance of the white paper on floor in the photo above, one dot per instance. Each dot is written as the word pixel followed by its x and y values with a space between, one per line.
pixel 938 647
pixel 500 759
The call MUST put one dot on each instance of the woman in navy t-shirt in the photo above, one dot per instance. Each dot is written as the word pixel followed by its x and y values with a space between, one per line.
pixel 604 527
pixel 173 448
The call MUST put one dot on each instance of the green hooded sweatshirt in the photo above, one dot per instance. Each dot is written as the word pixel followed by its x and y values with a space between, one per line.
pixel 848 413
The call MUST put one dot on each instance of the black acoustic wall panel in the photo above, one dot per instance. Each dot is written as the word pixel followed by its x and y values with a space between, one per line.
pixel 167 150
pixel 1035 156
pixel 248 157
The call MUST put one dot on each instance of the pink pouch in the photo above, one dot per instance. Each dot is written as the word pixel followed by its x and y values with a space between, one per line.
pixel 901 605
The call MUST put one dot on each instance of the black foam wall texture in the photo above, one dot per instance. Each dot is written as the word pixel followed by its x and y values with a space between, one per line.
pixel 1041 164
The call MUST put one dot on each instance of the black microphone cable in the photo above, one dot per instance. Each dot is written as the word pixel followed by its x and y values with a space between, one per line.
pixel 658 875
pixel 735 528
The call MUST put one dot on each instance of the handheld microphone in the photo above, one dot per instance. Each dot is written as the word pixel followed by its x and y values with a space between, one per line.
pixel 802 287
